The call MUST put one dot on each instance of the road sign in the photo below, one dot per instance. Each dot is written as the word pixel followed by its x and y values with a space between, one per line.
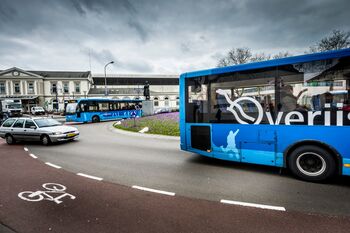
pixel 133 114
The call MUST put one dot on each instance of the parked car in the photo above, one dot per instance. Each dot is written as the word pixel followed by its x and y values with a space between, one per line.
pixel 162 110
pixel 37 111
pixel 46 130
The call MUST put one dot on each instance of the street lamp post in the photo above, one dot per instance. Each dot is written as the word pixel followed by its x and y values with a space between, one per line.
pixel 106 92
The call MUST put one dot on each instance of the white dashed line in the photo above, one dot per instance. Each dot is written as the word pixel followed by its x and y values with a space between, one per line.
pixel 53 165
pixel 279 208
pixel 33 156
pixel 91 177
pixel 153 190
pixel 25 149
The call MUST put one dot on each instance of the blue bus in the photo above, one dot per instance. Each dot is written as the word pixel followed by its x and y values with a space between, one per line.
pixel 102 109
pixel 282 113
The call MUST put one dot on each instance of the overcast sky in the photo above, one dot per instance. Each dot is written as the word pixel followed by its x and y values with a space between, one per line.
pixel 157 36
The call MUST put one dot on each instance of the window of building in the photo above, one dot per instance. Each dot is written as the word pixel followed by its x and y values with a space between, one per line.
pixel 30 88
pixel 17 88
pixel 77 87
pixel 55 104
pixel 2 88
pixel 166 101
pixel 53 87
pixel 155 101
pixel 65 88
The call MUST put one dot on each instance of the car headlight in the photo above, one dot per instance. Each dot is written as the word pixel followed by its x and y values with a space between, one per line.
pixel 57 133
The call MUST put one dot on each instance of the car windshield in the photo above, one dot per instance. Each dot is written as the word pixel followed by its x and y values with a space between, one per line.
pixel 38 108
pixel 71 108
pixel 14 106
pixel 46 122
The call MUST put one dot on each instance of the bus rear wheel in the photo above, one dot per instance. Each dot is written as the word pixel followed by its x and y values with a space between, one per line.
pixel 312 163
pixel 95 119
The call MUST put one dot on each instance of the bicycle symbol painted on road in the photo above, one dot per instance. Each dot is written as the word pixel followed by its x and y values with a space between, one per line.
pixel 51 188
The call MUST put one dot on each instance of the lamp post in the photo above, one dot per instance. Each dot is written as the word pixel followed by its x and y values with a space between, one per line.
pixel 106 92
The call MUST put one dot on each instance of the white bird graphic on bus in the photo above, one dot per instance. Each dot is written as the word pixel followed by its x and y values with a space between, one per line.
pixel 231 147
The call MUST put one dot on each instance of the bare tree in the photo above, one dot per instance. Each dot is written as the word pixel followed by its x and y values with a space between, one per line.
pixel 282 55
pixel 244 55
pixel 337 40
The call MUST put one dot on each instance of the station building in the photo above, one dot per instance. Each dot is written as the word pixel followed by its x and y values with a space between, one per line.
pixel 38 88
pixel 54 89
pixel 164 89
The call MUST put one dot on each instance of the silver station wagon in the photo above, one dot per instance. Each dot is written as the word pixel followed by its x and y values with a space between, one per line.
pixel 46 130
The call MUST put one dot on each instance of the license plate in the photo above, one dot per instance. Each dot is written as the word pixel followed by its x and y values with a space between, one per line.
pixel 71 135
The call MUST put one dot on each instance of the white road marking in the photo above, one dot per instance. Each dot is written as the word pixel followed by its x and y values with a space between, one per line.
pixel 50 188
pixel 25 149
pixel 53 165
pixel 33 156
pixel 153 190
pixel 144 130
pixel 91 177
pixel 279 208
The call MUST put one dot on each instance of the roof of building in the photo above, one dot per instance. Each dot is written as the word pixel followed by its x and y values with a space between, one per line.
pixel 65 74
pixel 147 76
pixel 53 74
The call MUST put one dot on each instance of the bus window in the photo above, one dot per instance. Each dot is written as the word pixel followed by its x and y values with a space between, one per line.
pixel 103 106
pixel 212 99
pixel 315 86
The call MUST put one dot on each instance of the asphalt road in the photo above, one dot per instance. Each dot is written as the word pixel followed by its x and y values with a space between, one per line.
pixel 30 204
pixel 158 163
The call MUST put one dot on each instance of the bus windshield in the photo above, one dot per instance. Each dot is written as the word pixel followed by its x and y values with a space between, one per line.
pixel 71 108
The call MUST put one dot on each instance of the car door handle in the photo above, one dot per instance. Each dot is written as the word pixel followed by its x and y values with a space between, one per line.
pixel 11 129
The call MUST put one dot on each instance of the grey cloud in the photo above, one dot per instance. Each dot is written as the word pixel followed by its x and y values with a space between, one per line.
pixel 165 34
pixel 139 29
pixel 102 56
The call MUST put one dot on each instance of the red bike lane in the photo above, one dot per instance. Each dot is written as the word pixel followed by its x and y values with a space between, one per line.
pixel 100 206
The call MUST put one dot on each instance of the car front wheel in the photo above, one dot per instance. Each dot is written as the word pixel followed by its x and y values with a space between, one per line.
pixel 45 140
pixel 312 163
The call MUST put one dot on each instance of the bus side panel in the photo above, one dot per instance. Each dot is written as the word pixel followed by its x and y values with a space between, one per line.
pixel 266 144
pixel 246 143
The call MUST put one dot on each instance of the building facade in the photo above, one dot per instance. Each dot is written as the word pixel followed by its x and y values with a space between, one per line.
pixel 50 89
pixel 54 89
pixel 164 89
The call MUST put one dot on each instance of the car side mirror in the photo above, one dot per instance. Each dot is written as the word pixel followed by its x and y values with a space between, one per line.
pixel 33 127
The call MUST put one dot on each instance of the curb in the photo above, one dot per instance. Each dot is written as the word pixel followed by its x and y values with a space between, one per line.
pixel 154 136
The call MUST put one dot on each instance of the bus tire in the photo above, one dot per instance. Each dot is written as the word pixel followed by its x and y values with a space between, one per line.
pixel 45 140
pixel 312 163
pixel 95 119
pixel 9 139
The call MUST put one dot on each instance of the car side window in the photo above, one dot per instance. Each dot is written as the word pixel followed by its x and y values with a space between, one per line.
pixel 8 122
pixel 28 124
pixel 18 124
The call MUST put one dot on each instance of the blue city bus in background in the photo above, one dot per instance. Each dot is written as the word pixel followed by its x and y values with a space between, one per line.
pixel 102 109
pixel 291 112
